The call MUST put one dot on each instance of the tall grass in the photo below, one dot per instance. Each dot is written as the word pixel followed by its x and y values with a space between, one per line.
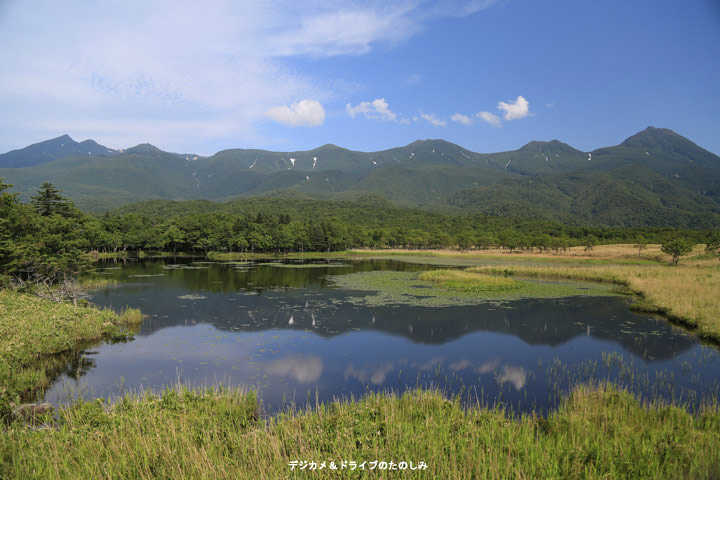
pixel 460 280
pixel 96 281
pixel 599 432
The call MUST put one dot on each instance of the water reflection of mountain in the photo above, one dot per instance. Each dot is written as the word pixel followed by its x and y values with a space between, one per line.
pixel 185 297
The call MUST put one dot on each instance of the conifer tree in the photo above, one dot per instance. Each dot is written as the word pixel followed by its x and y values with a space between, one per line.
pixel 48 201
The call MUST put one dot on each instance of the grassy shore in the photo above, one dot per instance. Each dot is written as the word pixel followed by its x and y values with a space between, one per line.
pixel 596 433
pixel 32 328
pixel 688 294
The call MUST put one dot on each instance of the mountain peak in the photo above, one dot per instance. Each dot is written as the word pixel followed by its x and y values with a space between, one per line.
pixel 144 148
pixel 673 147
pixel 51 150
pixel 330 146
pixel 549 146
pixel 652 137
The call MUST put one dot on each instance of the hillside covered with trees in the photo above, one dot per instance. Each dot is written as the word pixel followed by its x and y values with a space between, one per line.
pixel 654 178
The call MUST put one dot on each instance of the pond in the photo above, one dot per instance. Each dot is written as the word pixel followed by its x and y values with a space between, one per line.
pixel 306 331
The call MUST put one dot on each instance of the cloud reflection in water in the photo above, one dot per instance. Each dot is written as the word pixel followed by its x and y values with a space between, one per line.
pixel 302 368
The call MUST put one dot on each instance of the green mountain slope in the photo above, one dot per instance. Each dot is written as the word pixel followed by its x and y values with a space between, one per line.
pixel 54 149
pixel 629 196
pixel 654 177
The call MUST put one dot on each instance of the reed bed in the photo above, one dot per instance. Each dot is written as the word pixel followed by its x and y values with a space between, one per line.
pixel 95 281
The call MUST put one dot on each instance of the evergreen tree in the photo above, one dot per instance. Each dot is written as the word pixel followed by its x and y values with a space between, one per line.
pixel 48 201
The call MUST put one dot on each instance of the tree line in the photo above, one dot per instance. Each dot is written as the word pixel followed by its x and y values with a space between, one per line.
pixel 50 237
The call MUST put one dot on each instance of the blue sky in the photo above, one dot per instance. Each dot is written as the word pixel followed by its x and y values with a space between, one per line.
pixel 366 75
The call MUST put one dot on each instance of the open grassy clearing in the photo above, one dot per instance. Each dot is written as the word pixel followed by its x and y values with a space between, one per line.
pixel 601 254
pixel 596 433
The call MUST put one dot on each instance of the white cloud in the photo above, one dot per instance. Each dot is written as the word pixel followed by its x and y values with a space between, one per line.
pixel 307 112
pixel 453 8
pixel 514 110
pixel 346 30
pixel 489 117
pixel 209 74
pixel 434 120
pixel 461 119
pixel 377 109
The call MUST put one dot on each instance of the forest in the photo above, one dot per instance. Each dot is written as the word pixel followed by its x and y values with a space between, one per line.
pixel 49 238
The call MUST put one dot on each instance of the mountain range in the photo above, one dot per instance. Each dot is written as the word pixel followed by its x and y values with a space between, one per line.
pixel 653 178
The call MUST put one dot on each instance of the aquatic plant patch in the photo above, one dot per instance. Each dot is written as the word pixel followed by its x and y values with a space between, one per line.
pixel 442 288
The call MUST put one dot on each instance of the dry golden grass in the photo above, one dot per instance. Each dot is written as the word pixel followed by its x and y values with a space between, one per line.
pixel 610 251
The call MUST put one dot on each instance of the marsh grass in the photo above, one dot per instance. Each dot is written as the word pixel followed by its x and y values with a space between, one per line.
pixel 97 281
pixel 688 293
pixel 597 432
pixel 33 328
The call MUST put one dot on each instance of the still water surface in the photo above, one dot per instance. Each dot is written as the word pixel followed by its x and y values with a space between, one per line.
pixel 287 331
